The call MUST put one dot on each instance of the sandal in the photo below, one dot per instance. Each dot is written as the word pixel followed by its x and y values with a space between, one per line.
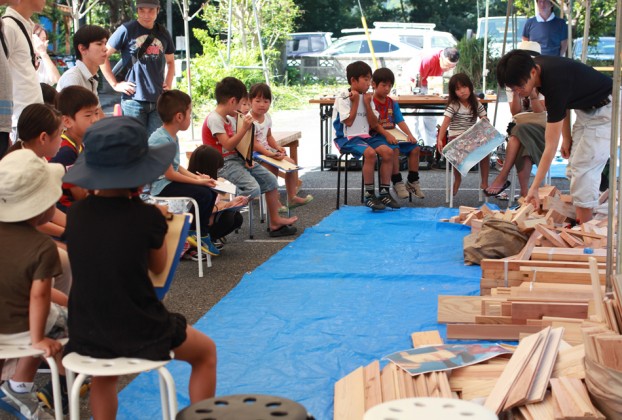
pixel 499 190
pixel 285 230
pixel 307 200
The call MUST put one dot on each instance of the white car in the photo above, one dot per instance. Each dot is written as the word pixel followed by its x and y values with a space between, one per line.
pixel 389 52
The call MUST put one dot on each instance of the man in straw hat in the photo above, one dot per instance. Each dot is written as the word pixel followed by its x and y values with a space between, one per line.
pixel 113 238
pixel 566 84
pixel 29 190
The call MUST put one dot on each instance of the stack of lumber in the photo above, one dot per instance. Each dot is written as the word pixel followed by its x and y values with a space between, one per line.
pixel 519 383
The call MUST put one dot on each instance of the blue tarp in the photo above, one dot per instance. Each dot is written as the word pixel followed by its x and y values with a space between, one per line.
pixel 348 291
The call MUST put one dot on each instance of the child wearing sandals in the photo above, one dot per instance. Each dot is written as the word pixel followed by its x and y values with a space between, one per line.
pixel 113 239
pixel 265 144
pixel 462 111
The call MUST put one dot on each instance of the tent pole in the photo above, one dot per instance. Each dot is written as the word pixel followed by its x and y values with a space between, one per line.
pixel 505 40
pixel 586 31
pixel 187 45
pixel 485 61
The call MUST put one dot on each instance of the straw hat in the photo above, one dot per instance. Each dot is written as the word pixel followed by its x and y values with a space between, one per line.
pixel 117 155
pixel 28 185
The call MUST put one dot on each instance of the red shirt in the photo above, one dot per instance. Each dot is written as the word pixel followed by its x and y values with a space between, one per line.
pixel 430 66
pixel 210 139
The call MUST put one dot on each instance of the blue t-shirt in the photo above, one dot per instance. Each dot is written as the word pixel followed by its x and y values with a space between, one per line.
pixel 548 34
pixel 158 137
pixel 148 72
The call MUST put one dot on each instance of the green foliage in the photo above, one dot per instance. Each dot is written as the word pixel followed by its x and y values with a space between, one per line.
pixel 471 63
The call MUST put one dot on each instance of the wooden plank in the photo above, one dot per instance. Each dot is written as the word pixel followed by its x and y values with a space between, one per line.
pixel 350 396
pixel 596 290
pixel 551 236
pixel 497 397
pixel 519 393
pixel 525 253
pixel 571 401
pixel 539 411
pixel 387 382
pixel 426 338
pixel 461 377
pixel 570 363
pixel 487 319
pixel 522 213
pixel 488 331
pixel 458 308
pixel 437 380
pixel 571 240
pixel 609 349
pixel 373 386
pixel 536 310
pixel 478 388
pixel 567 254
pixel 541 382
pixel 559 206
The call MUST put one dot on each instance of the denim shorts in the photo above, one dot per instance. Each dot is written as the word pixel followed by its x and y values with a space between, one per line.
pixel 249 181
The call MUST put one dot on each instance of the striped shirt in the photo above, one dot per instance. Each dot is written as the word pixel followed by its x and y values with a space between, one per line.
pixel 462 117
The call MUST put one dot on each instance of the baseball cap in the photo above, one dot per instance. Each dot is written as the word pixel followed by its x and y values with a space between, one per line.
pixel 148 3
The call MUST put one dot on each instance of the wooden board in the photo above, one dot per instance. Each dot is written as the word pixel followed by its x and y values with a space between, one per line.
pixel 373 386
pixel 350 396
pixel 458 308
pixel 541 382
pixel 570 363
pixel 567 254
pixel 536 310
pixel 388 381
pixel 489 331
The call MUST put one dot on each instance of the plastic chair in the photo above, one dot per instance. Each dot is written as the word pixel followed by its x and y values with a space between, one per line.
pixel 449 184
pixel 353 163
pixel 263 214
pixel 197 219
pixel 86 366
pixel 12 351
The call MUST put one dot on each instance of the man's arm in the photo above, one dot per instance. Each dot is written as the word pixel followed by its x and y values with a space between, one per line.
pixel 551 141
pixel 38 310
pixel 563 47
pixel 170 71
pixel 128 88
pixel 566 137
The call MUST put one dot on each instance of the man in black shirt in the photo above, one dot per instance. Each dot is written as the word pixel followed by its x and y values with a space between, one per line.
pixel 566 84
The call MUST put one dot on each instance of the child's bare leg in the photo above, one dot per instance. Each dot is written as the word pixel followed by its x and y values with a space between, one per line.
pixel 276 221
pixel 511 153
pixel 103 399
pixel 484 168
pixel 369 166
pixel 413 160
pixel 200 351
pixel 291 185
pixel 386 166
pixel 274 172
pixel 396 162
pixel 523 176
pixel 26 369
pixel 457 181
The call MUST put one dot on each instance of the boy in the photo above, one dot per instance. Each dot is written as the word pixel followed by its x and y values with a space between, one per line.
pixel 80 109
pixel 175 108
pixel 219 132
pixel 29 189
pixel 566 84
pixel 390 115
pixel 89 45
pixel 354 117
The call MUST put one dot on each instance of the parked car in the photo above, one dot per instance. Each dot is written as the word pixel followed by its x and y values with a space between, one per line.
pixel 303 43
pixel 418 35
pixel 496 29
pixel 601 53
pixel 389 52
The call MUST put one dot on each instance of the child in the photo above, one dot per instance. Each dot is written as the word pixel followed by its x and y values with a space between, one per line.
pixel 219 131
pixel 80 109
pixel 461 113
pixel 113 238
pixel 175 108
pixel 261 98
pixel 389 116
pixel 352 129
pixel 29 189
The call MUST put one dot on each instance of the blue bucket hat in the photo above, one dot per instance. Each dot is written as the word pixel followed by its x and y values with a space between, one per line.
pixel 117 155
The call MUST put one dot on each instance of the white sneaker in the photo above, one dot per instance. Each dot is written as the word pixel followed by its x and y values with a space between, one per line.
pixel 415 188
pixel 400 190
pixel 27 404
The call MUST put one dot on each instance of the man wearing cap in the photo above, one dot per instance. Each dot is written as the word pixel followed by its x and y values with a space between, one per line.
pixel 146 51
pixel 566 84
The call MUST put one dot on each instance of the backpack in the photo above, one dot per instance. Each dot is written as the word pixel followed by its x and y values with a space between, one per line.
pixel 122 68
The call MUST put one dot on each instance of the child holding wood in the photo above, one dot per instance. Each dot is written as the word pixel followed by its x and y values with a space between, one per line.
pixel 462 111
pixel 389 116
pixel 113 239
pixel 265 144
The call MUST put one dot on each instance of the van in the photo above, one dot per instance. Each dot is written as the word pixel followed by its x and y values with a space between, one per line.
pixel 302 43
pixel 496 29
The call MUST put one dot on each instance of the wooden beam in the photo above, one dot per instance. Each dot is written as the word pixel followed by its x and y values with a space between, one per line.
pixel 458 308
pixel 489 331
pixel 350 396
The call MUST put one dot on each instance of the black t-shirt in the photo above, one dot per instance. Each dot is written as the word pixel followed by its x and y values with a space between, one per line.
pixel 113 308
pixel 569 84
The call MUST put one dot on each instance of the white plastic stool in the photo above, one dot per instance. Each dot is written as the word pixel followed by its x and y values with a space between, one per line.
pixel 12 351
pixel 429 409
pixel 89 366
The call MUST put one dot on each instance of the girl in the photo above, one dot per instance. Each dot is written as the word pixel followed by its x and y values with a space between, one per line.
pixel 207 160
pixel 113 239
pixel 461 113
pixel 261 98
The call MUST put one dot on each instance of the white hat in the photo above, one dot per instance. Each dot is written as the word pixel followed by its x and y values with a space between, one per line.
pixel 28 185
pixel 529 46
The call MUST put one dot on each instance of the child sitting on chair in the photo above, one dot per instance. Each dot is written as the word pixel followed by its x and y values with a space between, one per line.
pixel 354 117
pixel 265 144
pixel 113 240
pixel 462 111
pixel 389 116
pixel 175 109
pixel 30 310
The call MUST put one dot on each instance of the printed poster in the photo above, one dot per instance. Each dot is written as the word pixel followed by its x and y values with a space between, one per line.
pixel 438 358
pixel 466 150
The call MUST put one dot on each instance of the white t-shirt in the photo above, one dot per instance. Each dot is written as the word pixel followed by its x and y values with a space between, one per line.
pixel 262 129
pixel 360 126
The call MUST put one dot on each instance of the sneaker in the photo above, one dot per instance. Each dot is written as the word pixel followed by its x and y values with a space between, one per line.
pixel 374 203
pixel 22 405
pixel 206 244
pixel 389 201
pixel 46 396
pixel 400 190
pixel 415 188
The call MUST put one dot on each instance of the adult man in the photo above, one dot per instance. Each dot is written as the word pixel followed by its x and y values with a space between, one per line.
pixel 547 30
pixel 22 60
pixel 566 84
pixel 145 80
pixel 434 64
pixel 89 44
pixel 6 90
